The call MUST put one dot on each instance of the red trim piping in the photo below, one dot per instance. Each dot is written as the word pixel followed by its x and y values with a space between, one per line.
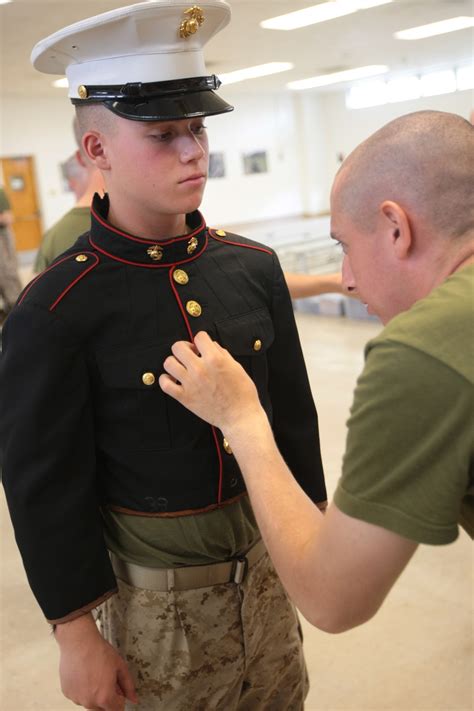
pixel 74 282
pixel 37 278
pixel 239 244
pixel 214 433
pixel 147 266
pixel 111 228
pixel 183 312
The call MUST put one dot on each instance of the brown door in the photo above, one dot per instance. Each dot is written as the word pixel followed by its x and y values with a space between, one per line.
pixel 20 187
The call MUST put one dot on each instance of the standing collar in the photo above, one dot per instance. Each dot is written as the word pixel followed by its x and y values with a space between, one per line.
pixel 141 252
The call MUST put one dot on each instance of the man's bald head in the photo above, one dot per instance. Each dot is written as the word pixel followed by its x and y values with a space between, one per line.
pixel 424 162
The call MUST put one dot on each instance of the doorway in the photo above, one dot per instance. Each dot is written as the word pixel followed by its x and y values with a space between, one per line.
pixel 20 188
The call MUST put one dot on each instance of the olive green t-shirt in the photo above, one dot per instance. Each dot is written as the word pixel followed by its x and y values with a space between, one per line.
pixel 408 465
pixel 200 539
pixel 62 235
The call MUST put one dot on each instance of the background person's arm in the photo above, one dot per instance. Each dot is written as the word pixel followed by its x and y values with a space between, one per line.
pixel 301 286
pixel 338 570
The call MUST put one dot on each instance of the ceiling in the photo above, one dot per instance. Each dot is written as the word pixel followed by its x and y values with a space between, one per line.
pixel 365 37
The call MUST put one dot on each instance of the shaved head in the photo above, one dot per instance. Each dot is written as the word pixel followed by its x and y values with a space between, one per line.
pixel 424 162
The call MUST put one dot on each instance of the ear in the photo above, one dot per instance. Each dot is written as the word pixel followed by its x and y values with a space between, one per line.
pixel 398 227
pixel 80 159
pixel 95 148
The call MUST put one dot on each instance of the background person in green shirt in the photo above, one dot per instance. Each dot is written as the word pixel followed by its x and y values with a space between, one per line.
pixel 85 180
pixel 10 285
pixel 402 210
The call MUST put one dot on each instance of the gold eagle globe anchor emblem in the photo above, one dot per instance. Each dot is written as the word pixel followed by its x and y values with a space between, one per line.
pixel 194 17
pixel 155 253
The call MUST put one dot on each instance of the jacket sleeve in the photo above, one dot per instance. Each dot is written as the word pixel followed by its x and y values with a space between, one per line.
pixel 47 438
pixel 295 420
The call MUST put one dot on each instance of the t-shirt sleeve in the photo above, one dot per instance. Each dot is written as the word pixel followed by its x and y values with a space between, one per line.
pixel 4 203
pixel 406 465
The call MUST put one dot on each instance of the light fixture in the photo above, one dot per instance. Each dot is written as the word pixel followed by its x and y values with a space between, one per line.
pixel 4 2
pixel 337 77
pixel 435 28
pixel 319 13
pixel 370 93
pixel 403 89
pixel 436 83
pixel 259 70
pixel 465 77
pixel 61 83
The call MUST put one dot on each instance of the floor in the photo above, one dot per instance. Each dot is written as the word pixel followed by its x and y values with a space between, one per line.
pixel 416 655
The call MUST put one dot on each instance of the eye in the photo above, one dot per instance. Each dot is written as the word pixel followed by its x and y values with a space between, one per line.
pixel 161 137
pixel 199 129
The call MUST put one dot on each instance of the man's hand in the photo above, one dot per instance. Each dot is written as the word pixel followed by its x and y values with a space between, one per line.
pixel 208 381
pixel 92 673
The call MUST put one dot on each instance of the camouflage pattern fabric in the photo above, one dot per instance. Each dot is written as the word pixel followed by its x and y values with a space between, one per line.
pixel 218 648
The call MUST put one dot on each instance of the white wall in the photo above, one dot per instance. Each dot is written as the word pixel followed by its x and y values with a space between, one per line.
pixel 258 123
pixel 345 129
pixel 302 134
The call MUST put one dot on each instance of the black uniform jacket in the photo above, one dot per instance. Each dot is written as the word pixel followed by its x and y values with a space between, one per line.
pixel 83 421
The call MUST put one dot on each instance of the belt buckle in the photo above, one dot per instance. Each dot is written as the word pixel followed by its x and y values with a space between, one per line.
pixel 239 570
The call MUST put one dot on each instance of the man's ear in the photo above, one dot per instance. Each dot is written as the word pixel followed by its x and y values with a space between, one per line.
pixel 397 226
pixel 95 148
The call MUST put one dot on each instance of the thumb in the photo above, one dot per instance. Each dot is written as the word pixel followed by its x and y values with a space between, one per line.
pixel 126 685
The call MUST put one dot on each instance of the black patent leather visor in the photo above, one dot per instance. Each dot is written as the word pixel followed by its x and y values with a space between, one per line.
pixel 159 101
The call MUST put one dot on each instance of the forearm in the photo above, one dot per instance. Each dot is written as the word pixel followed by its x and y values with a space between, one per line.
pixel 301 286
pixel 289 521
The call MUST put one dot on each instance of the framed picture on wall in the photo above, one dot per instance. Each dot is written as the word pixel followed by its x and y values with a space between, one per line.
pixel 216 165
pixel 255 162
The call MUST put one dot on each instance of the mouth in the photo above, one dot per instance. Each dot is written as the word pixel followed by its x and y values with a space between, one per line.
pixel 195 179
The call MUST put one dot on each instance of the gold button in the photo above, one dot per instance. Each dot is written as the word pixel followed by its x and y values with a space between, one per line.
pixel 82 258
pixel 155 253
pixel 82 91
pixel 257 346
pixel 193 308
pixel 180 276
pixel 221 233
pixel 148 379
pixel 192 245
pixel 227 446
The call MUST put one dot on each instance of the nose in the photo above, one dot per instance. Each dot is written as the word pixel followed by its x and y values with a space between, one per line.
pixel 191 148
pixel 348 281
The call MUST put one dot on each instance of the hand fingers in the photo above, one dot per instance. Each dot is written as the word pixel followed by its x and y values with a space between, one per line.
pixel 184 351
pixel 205 345
pixel 125 682
pixel 175 368
pixel 170 387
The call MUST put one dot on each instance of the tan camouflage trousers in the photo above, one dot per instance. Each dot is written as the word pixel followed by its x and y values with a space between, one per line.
pixel 219 648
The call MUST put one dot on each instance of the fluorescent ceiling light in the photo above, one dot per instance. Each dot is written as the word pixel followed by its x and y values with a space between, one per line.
pixel 4 2
pixel 465 77
pixel 319 13
pixel 403 89
pixel 260 70
pixel 348 75
pixel 435 28
pixel 436 83
pixel 61 83
pixel 370 93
